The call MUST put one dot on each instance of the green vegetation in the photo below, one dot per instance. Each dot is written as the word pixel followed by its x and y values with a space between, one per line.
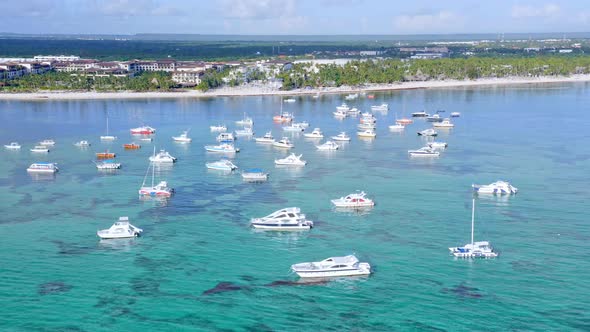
pixel 149 81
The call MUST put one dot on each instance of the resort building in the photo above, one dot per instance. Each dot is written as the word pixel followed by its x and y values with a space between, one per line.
pixel 61 58
pixel 188 78
pixel 12 70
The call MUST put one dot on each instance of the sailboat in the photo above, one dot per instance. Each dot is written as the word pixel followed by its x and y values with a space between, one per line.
pixel 479 249
pixel 397 126
pixel 108 137
pixel 159 190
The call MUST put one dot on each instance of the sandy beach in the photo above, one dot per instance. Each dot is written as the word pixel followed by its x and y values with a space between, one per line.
pixel 261 90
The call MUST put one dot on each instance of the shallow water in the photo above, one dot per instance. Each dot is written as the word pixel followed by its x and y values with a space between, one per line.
pixel 199 265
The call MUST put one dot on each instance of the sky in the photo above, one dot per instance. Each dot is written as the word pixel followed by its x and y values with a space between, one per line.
pixel 293 17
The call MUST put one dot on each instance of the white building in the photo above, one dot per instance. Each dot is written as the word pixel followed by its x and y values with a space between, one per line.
pixel 187 77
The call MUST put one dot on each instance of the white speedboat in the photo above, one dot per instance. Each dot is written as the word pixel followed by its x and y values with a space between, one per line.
pixel 283 143
pixel 446 123
pixel 382 107
pixel 40 148
pixel 353 111
pixel 183 138
pixel 226 137
pixel 434 118
pixel 455 114
pixel 82 144
pixel 289 100
pixel 218 128
pixel 340 114
pixel 328 146
pixel 480 249
pixel 107 164
pixel 370 133
pixel 316 133
pixel 122 229
pixel 293 128
pixel 222 165
pixel 291 160
pixel 43 168
pixel 428 132
pixel 12 146
pixel 267 138
pixel 368 118
pixel 288 219
pixel 332 267
pixel 302 124
pixel 223 148
pixel 342 137
pixel 47 142
pixel 425 151
pixel 364 126
pixel 162 157
pixel 397 127
pixel 355 200
pixel 246 131
pixel 437 145
pixel 246 121
pixel 498 187
pixel 343 107
pixel 420 114
pixel 143 130
pixel 352 96
pixel 254 175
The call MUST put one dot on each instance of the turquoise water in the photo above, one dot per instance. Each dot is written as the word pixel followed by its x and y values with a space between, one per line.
pixel 200 267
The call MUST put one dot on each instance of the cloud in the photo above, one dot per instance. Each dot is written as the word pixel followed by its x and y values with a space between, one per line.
pixel 258 9
pixel 547 11
pixel 438 21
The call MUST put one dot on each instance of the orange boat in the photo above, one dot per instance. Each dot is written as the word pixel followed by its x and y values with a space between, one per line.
pixel 131 146
pixel 404 121
pixel 371 96
pixel 105 155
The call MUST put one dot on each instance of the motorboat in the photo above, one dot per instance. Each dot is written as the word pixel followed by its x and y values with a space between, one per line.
pixel 498 187
pixel 223 148
pixel 283 143
pixel 108 137
pixel 367 133
pixel 12 146
pixel 40 148
pixel 455 114
pixel 289 100
pixel 480 249
pixel 364 126
pixel 47 142
pixel 143 130
pixel 437 145
pixel 428 132
pixel 328 146
pixel 302 124
pixel 291 160
pixel 246 121
pixel 352 96
pixel 420 114
pixel 159 190
pixel 218 128
pixel 254 175
pixel 226 137
pixel 397 127
pixel 246 131
pixel 267 138
pixel 182 138
pixel 121 229
pixel 446 123
pixel 283 117
pixel 343 107
pixel 404 121
pixel 288 219
pixel 131 146
pixel 162 157
pixel 105 155
pixel 222 165
pixel 382 107
pixel 82 144
pixel 434 118
pixel 146 139
pixel 342 137
pixel 316 133
pixel 425 151
pixel 340 114
pixel 332 267
pixel 354 200
pixel 368 118
pixel 353 111
pixel 108 164
pixel 43 168
pixel 293 128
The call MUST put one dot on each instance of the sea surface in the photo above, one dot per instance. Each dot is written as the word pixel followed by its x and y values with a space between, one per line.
pixel 200 267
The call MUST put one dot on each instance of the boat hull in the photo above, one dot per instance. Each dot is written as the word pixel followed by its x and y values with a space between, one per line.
pixel 281 228
pixel 339 273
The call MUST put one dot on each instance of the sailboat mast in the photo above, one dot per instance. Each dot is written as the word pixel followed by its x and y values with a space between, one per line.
pixel 472 219
pixel 154 173
pixel 107 125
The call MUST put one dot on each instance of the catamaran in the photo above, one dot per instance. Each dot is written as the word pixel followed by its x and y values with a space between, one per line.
pixel 155 190
pixel 479 249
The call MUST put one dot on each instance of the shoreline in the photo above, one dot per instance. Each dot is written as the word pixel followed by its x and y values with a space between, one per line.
pixel 261 90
